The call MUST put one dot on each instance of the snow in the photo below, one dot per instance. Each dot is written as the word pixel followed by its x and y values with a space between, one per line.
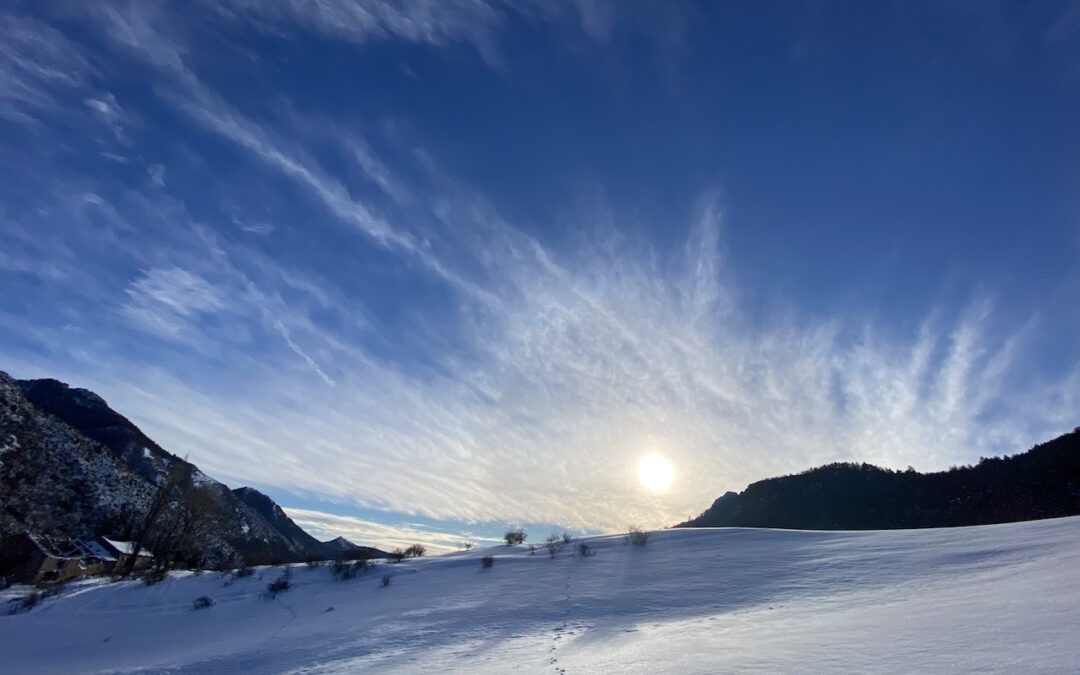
pixel 201 480
pixel 1002 598
pixel 98 551
pixel 88 399
pixel 10 445
pixel 125 547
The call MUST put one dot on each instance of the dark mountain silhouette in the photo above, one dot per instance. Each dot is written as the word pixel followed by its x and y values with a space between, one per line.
pixel 86 412
pixel 342 547
pixel 312 547
pixel 74 467
pixel 1043 482
pixel 272 513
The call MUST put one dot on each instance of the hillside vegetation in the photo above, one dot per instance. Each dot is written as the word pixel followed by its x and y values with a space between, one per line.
pixel 1043 482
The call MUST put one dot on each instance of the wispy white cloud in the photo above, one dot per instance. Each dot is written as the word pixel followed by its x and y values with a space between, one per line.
pixel 136 29
pixel 586 367
pixel 434 22
pixel 106 108
pixel 170 302
pixel 326 526
pixel 284 332
pixel 157 174
pixel 253 226
pixel 39 66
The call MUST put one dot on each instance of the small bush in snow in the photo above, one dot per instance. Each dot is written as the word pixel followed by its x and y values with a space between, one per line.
pixel 487 561
pixel 386 580
pixel 566 538
pixel 414 551
pixel 347 569
pixel 532 549
pixel 245 571
pixel 553 544
pixel 584 551
pixel 395 556
pixel 155 575
pixel 514 536
pixel 204 602
pixel 341 569
pixel 467 545
pixel 25 603
pixel 280 585
pixel 636 536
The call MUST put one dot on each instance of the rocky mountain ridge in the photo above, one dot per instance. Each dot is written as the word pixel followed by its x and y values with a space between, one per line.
pixel 71 466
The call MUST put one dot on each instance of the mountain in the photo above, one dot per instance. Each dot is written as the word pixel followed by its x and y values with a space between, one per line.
pixel 304 542
pixel 56 481
pixel 71 466
pixel 341 544
pixel 1043 482
pixel 86 412
pixel 342 547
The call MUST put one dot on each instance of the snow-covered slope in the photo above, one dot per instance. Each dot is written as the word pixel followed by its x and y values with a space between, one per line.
pixel 1001 598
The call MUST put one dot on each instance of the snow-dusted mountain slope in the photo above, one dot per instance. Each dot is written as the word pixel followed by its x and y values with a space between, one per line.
pixel 1000 598
pixel 56 481
pixel 70 466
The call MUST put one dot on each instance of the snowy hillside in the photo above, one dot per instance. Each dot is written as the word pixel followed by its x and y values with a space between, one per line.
pixel 1002 598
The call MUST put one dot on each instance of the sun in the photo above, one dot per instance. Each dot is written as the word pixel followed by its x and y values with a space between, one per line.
pixel 655 473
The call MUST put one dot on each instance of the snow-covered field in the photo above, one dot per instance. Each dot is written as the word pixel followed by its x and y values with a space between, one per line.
pixel 1002 598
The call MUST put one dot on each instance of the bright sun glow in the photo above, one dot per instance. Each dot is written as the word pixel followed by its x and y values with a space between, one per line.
pixel 655 473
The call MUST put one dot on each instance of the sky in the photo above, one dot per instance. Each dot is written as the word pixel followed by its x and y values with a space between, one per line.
pixel 421 271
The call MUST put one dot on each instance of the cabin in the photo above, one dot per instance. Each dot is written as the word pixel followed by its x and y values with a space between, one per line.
pixel 40 559
pixel 122 550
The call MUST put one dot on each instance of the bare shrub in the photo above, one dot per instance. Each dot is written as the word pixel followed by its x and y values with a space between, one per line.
pixel 566 538
pixel 280 585
pixel 636 536
pixel 584 551
pixel 553 544
pixel 415 551
pixel 241 572
pixel 395 556
pixel 347 569
pixel 342 569
pixel 514 536
pixel 467 545
pixel 26 602
pixel 203 602
pixel 385 581
pixel 487 561
pixel 532 549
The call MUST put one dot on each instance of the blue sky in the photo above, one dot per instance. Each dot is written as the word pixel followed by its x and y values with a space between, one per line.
pixel 422 270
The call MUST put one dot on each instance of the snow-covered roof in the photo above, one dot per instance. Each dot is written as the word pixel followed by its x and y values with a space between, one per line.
pixel 96 550
pixel 126 547
pixel 70 548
